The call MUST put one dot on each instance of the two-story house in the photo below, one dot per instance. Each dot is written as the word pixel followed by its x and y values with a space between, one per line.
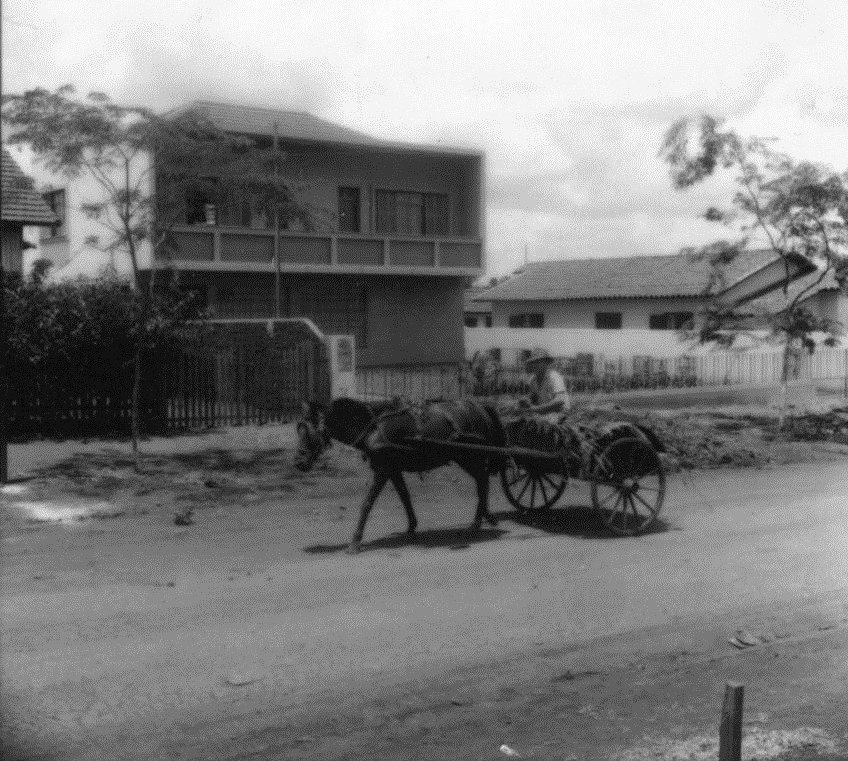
pixel 397 234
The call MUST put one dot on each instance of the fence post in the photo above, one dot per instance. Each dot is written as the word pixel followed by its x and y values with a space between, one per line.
pixel 730 732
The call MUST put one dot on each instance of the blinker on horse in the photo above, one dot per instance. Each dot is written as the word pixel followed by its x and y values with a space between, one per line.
pixel 380 432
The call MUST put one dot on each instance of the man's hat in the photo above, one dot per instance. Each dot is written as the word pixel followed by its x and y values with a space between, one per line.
pixel 538 355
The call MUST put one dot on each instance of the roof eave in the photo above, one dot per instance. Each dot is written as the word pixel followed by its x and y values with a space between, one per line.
pixel 592 298
pixel 377 147
pixel 29 222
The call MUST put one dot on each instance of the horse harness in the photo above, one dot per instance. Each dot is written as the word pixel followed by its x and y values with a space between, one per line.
pixel 416 413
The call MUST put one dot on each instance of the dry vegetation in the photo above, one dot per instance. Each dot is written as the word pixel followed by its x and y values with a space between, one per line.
pixel 742 436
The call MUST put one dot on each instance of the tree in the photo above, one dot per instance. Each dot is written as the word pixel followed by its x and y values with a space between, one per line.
pixel 123 149
pixel 786 206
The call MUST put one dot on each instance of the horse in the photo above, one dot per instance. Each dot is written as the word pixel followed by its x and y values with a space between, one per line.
pixel 380 431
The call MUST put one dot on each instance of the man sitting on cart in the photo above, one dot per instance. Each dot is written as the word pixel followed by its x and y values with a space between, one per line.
pixel 548 395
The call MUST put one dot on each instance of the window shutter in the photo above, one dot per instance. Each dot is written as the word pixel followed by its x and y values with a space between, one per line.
pixel 436 214
pixel 385 211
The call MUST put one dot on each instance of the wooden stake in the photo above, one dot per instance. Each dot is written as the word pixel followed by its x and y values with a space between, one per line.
pixel 730 733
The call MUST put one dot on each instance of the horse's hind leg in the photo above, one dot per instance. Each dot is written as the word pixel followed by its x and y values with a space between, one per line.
pixel 400 487
pixel 377 484
pixel 481 477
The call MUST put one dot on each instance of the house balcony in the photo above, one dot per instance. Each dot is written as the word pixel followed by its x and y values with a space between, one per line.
pixel 237 249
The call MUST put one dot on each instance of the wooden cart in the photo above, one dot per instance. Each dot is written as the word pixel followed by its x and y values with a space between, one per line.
pixel 620 461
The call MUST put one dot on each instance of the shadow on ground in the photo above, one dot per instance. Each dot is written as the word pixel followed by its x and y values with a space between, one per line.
pixel 458 538
pixel 574 521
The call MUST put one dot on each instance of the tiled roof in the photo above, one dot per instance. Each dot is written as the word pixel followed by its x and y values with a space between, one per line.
pixel 615 278
pixel 298 126
pixel 777 300
pixel 295 125
pixel 20 201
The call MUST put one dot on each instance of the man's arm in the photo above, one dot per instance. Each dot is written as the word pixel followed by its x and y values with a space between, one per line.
pixel 557 404
pixel 559 401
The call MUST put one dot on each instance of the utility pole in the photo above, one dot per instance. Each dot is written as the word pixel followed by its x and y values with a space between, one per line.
pixel 4 374
pixel 277 309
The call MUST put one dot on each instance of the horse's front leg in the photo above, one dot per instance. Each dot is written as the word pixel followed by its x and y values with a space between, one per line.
pixel 378 481
pixel 481 477
pixel 400 487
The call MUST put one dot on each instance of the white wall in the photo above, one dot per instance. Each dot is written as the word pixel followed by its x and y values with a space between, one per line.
pixel 581 314
pixel 71 255
pixel 565 342
pixel 561 342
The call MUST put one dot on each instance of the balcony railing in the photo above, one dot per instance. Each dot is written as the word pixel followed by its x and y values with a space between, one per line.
pixel 214 247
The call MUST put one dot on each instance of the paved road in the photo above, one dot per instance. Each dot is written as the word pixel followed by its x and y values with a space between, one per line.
pixel 265 620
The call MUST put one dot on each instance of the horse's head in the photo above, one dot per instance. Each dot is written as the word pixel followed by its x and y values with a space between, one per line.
pixel 312 436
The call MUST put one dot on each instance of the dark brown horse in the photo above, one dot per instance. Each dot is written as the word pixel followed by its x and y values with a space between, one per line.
pixel 380 432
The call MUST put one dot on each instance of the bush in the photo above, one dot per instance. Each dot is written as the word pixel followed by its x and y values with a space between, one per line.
pixel 71 347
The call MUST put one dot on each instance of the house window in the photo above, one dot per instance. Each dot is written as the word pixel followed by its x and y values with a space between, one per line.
pixel 349 210
pixel 608 320
pixel 200 208
pixel 478 320
pixel 530 320
pixel 670 320
pixel 56 200
pixel 403 213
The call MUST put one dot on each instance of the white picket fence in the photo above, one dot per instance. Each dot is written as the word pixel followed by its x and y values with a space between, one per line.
pixel 592 373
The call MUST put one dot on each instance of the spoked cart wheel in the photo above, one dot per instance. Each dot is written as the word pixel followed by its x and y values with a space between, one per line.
pixel 530 487
pixel 628 486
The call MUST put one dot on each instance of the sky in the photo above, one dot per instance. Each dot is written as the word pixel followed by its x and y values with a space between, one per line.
pixel 569 100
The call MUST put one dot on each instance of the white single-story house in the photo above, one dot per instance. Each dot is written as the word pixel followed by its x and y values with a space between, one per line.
pixel 628 293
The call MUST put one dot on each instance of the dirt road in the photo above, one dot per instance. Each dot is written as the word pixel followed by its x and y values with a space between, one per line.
pixel 251 635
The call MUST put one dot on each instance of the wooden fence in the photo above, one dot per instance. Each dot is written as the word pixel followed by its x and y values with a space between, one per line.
pixel 411 382
pixel 239 385
pixel 239 373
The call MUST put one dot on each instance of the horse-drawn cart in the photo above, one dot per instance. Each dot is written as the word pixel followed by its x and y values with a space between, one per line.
pixel 535 458
pixel 620 461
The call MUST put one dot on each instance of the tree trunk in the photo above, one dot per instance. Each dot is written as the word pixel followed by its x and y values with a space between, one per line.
pixel 784 383
pixel 136 393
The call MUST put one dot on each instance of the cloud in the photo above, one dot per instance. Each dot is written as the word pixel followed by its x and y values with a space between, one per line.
pixel 569 99
pixel 164 76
